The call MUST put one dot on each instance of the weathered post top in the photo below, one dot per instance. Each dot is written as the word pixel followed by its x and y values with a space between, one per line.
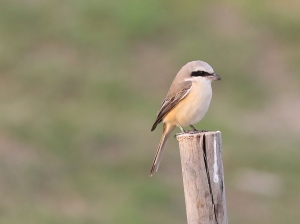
pixel 203 177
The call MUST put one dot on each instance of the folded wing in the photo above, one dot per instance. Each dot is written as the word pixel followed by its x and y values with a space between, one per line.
pixel 171 100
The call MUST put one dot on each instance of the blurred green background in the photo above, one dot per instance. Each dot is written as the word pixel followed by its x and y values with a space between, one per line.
pixel 80 84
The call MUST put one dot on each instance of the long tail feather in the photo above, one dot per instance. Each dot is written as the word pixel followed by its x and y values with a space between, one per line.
pixel 166 132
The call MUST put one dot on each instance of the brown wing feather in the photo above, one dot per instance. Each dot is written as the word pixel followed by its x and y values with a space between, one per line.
pixel 171 101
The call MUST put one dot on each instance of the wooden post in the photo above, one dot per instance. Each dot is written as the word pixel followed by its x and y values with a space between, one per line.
pixel 203 177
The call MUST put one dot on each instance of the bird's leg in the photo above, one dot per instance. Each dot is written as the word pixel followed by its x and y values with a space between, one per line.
pixel 194 129
pixel 181 128
pixel 182 131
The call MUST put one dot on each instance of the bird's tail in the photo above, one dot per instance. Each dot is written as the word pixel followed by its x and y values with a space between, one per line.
pixel 166 132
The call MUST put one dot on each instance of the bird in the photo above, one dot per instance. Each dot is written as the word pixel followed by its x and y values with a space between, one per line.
pixel 186 103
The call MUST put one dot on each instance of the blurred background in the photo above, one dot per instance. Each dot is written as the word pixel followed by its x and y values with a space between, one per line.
pixel 80 85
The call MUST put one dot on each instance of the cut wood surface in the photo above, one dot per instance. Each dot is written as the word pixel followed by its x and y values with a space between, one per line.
pixel 203 177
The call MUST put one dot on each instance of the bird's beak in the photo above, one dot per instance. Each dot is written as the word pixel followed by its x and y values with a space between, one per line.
pixel 216 76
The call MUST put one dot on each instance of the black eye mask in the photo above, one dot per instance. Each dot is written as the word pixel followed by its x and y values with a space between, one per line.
pixel 200 73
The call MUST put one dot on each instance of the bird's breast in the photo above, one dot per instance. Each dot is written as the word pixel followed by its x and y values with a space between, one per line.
pixel 193 107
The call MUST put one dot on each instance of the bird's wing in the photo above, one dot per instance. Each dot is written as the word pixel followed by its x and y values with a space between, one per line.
pixel 171 100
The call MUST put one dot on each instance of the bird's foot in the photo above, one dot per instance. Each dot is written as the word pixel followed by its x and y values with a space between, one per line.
pixel 193 131
pixel 197 131
pixel 190 132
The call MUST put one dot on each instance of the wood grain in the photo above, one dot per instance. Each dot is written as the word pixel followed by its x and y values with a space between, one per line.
pixel 203 177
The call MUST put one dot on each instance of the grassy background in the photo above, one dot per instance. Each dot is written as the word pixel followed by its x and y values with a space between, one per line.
pixel 80 84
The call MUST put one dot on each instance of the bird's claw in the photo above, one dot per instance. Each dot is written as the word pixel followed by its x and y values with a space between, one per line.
pixel 190 132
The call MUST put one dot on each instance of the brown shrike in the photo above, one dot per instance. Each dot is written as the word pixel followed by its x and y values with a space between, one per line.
pixel 186 103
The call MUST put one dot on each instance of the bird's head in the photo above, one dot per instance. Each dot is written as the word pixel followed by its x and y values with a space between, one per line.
pixel 201 69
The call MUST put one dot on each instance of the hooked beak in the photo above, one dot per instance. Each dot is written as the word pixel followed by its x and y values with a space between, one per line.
pixel 216 77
